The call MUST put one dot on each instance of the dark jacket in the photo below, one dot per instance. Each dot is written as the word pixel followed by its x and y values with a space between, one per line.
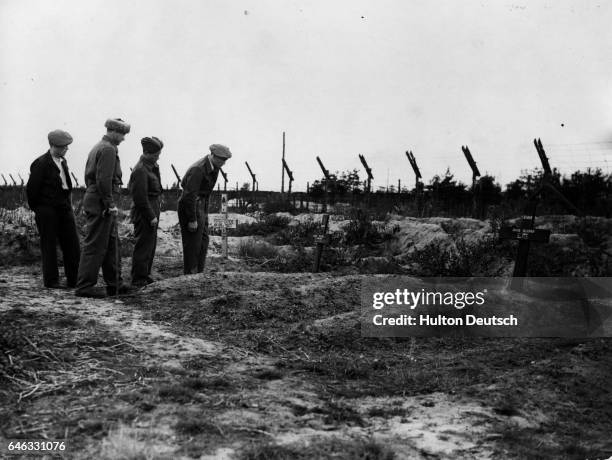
pixel 44 185
pixel 103 171
pixel 198 183
pixel 145 186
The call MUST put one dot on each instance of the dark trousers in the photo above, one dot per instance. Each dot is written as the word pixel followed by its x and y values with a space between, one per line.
pixel 56 224
pixel 100 246
pixel 144 246
pixel 195 244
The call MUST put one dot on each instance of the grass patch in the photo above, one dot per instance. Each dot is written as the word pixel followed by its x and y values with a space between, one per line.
pixel 257 250
pixel 122 443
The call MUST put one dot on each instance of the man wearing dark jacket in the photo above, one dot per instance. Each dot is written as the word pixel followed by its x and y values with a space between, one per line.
pixel 198 183
pixel 145 188
pixel 101 244
pixel 49 188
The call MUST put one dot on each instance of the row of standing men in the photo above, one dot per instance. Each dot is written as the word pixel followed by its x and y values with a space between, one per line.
pixel 49 190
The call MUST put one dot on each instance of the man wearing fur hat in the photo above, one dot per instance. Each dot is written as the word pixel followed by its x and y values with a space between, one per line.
pixel 145 188
pixel 101 245
pixel 49 188
pixel 198 183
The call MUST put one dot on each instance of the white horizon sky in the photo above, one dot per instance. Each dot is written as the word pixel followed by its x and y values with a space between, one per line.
pixel 341 78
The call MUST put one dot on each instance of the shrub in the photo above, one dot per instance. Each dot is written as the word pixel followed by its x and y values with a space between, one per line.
pixel 461 258
pixel 257 250
pixel 302 234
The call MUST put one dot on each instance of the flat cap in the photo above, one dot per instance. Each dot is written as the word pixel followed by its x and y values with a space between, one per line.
pixel 151 144
pixel 220 151
pixel 117 124
pixel 59 138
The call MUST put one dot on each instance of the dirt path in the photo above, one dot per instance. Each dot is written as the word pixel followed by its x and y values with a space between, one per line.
pixel 221 399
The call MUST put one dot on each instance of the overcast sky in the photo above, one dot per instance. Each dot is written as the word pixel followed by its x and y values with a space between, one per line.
pixel 341 78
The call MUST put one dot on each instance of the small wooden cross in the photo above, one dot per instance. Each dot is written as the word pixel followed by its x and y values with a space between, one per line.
pixel 321 242
pixel 525 233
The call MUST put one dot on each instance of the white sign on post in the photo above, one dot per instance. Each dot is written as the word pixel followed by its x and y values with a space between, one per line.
pixel 224 224
pixel 220 222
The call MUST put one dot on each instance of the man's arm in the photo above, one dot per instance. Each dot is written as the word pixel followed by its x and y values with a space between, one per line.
pixel 139 186
pixel 105 169
pixel 34 183
pixel 191 187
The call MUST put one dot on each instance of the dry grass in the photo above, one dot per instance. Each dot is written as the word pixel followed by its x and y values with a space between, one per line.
pixel 123 443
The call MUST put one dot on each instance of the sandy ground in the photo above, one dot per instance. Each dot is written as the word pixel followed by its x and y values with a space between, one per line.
pixel 160 375
pixel 436 424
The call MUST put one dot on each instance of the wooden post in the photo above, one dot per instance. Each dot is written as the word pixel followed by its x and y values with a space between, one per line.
pixel 178 178
pixel 289 173
pixel 475 175
pixel 253 183
pixel 546 180
pixel 76 181
pixel 4 179
pixel 283 165
pixel 525 233
pixel 369 180
pixel 418 187
pixel 321 242
pixel 224 174
pixel 13 179
pixel 224 228
pixel 327 180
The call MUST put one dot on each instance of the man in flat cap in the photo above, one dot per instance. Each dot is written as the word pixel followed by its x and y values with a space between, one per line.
pixel 101 245
pixel 145 188
pixel 198 183
pixel 49 196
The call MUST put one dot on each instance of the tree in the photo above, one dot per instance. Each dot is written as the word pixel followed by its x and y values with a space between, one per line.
pixel 448 193
pixel 489 191
pixel 337 185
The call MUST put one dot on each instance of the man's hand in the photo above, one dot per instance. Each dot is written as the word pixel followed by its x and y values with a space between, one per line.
pixel 192 226
pixel 110 211
pixel 154 222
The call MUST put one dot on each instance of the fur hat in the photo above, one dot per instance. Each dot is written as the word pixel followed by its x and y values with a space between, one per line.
pixel 59 138
pixel 151 144
pixel 117 124
pixel 220 151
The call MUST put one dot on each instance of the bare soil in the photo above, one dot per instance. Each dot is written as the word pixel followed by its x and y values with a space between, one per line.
pixel 234 363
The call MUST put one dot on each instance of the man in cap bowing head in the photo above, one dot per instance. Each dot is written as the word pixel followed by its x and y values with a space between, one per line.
pixel 146 189
pixel 198 183
pixel 101 245
pixel 49 188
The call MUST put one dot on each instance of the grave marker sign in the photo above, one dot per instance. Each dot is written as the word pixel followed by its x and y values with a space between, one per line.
pixel 525 233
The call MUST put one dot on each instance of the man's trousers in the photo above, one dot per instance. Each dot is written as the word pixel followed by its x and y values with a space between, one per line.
pixel 144 246
pixel 100 247
pixel 195 244
pixel 56 224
